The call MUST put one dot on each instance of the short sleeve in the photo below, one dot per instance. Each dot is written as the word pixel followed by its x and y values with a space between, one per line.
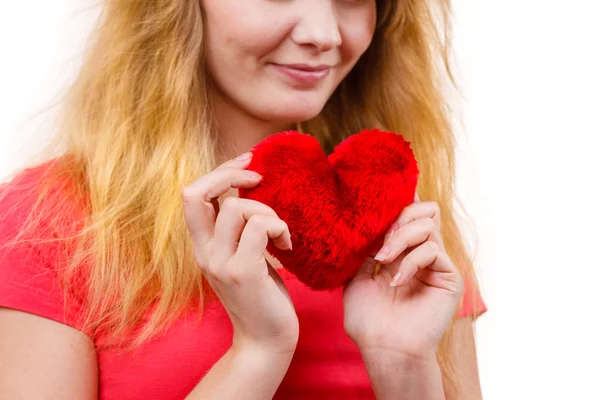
pixel 471 304
pixel 28 277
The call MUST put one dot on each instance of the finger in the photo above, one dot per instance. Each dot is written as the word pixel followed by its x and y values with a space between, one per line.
pixel 424 209
pixel 409 235
pixel 415 211
pixel 391 230
pixel 198 208
pixel 256 234
pixel 428 256
pixel 219 181
pixel 231 221
pixel 394 266
pixel 240 162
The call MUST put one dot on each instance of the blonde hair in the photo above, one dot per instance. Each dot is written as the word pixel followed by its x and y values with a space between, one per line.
pixel 137 128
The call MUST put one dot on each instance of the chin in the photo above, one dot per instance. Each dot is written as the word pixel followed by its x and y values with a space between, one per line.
pixel 294 116
pixel 292 112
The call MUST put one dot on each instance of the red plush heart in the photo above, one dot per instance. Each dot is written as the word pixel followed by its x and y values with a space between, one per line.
pixel 337 207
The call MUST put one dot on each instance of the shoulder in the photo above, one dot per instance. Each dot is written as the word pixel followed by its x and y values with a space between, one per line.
pixel 37 202
pixel 33 216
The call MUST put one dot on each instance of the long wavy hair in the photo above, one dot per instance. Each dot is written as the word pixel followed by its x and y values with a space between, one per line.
pixel 136 127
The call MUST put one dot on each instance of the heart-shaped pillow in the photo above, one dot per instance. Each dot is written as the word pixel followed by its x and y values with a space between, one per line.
pixel 337 207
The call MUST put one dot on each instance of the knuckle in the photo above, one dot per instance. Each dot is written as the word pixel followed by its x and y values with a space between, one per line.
pixel 232 272
pixel 231 203
pixel 197 191
pixel 201 260
pixel 235 276
pixel 189 193
pixel 437 214
pixel 279 223
pixel 200 255
pixel 429 224
pixel 262 208
pixel 270 211
pixel 213 267
pixel 406 215
pixel 257 222
pixel 433 247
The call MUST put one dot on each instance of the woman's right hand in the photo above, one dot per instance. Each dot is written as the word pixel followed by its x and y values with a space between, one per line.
pixel 229 245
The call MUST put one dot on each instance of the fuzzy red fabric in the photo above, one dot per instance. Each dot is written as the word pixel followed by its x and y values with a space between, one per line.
pixel 337 207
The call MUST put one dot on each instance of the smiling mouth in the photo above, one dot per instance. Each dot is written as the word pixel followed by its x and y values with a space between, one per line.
pixel 303 73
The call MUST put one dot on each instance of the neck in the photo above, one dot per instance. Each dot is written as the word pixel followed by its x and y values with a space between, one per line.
pixel 239 131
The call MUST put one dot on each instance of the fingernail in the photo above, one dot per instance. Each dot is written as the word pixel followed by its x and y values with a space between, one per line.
pixel 385 250
pixel 396 279
pixel 245 156
pixel 253 175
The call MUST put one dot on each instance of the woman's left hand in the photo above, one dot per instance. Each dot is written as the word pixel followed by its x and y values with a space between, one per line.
pixel 404 310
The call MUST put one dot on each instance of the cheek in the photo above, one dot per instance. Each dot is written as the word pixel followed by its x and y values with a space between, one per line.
pixel 241 39
pixel 357 33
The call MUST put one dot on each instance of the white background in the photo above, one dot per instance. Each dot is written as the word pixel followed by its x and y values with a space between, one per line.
pixel 528 170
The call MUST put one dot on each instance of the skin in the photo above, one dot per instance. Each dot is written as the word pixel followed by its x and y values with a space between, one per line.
pixel 398 317
pixel 244 40
pixel 401 325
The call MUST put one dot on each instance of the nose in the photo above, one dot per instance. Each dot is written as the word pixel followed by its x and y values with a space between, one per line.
pixel 317 26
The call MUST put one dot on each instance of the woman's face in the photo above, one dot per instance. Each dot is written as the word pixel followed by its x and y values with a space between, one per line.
pixel 280 60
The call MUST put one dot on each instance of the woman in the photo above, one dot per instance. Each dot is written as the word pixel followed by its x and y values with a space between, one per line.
pixel 114 250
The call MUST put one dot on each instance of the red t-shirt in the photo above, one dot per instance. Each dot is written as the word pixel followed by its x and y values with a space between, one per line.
pixel 326 364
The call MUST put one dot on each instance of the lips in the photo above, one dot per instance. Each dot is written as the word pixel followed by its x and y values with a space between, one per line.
pixel 302 74
pixel 306 67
